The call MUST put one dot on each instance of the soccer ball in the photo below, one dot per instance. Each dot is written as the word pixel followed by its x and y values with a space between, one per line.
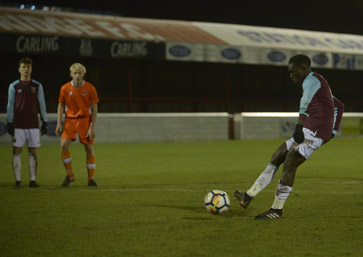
pixel 216 202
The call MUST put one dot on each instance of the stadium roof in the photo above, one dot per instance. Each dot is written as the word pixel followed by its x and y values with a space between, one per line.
pixel 90 35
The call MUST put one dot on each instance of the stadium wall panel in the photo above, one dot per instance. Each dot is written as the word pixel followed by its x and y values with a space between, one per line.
pixel 139 127
pixel 182 127
pixel 280 125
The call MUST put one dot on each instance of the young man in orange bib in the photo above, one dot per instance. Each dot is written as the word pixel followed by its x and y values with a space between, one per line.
pixel 78 100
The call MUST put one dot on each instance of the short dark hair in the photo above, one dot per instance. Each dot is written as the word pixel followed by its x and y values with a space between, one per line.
pixel 25 60
pixel 300 59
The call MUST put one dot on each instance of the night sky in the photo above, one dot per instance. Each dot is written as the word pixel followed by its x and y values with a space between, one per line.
pixel 345 16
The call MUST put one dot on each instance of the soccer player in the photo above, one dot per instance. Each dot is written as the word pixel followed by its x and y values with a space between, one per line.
pixel 25 102
pixel 319 117
pixel 78 99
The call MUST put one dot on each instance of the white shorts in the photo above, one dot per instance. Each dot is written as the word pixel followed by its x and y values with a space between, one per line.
pixel 32 136
pixel 307 147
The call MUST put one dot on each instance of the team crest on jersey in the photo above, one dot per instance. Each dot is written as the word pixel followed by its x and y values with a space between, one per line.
pixel 70 93
pixel 83 92
pixel 34 89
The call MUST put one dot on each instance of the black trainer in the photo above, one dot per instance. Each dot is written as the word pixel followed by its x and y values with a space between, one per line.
pixel 67 181
pixel 92 183
pixel 17 184
pixel 33 184
pixel 243 198
pixel 270 214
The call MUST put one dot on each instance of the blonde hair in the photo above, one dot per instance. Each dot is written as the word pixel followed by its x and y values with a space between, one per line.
pixel 78 67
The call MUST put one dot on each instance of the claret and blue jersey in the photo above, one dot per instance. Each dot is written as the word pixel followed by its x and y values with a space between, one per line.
pixel 319 110
pixel 26 100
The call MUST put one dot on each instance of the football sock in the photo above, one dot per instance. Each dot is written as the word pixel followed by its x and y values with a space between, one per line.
pixel 91 166
pixel 32 163
pixel 17 166
pixel 67 161
pixel 278 204
pixel 263 180
pixel 282 193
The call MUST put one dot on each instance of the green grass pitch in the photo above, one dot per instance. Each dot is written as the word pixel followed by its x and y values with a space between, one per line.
pixel 150 202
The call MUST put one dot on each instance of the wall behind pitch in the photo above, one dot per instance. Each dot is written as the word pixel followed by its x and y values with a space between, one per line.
pixel 139 127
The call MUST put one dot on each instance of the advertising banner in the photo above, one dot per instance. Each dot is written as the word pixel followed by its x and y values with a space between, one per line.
pixel 91 35
pixel 54 45
pixel 184 51
pixel 280 38
pixel 69 24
